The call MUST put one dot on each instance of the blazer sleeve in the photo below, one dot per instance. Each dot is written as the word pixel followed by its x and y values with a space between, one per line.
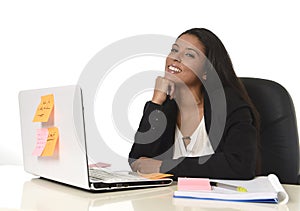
pixel 154 135
pixel 234 157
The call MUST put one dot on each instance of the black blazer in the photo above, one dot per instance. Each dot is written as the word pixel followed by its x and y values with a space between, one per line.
pixel 235 152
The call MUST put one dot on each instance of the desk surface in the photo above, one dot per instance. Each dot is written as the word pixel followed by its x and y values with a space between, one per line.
pixel 21 191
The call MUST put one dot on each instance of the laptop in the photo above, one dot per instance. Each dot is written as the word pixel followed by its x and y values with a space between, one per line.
pixel 64 157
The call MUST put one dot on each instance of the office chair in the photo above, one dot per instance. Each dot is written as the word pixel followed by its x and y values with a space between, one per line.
pixel 278 131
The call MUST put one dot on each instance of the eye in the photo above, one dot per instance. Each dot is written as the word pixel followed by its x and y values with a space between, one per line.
pixel 190 55
pixel 174 50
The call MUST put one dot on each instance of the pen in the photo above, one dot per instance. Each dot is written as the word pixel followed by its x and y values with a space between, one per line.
pixel 230 187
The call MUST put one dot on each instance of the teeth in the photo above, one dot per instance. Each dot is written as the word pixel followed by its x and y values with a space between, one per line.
pixel 174 69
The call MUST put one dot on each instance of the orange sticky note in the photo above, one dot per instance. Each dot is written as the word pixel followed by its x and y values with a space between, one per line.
pixel 41 140
pixel 193 184
pixel 155 175
pixel 52 139
pixel 44 109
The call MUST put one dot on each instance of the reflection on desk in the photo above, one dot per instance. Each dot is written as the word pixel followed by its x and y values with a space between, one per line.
pixel 20 192
pixel 39 194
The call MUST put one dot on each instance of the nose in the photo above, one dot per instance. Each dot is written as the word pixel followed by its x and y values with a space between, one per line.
pixel 177 57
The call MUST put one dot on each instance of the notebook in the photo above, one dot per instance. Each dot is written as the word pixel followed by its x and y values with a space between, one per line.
pixel 265 189
pixel 54 142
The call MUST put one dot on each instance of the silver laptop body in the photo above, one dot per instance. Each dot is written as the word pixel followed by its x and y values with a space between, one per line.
pixel 69 161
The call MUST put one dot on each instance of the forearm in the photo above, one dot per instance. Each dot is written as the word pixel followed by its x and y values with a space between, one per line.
pixel 156 128
pixel 235 157
pixel 219 165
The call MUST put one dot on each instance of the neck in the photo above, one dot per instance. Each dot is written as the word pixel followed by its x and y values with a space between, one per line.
pixel 189 96
pixel 190 102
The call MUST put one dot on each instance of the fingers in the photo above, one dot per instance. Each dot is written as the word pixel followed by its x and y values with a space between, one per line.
pixel 134 165
pixel 163 86
pixel 146 165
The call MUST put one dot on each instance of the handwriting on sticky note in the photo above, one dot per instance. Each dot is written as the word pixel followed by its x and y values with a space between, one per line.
pixel 41 140
pixel 193 184
pixel 44 109
pixel 52 139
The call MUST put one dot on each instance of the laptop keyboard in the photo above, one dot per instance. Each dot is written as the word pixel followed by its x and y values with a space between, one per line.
pixel 107 176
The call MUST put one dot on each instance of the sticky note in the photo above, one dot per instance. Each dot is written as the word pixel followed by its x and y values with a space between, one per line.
pixel 52 139
pixel 99 165
pixel 193 184
pixel 155 175
pixel 41 140
pixel 44 109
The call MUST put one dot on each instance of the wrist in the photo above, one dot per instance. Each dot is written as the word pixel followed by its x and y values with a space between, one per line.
pixel 159 165
pixel 159 97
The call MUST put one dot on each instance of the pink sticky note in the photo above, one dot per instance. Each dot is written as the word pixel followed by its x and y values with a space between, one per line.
pixel 193 184
pixel 99 165
pixel 41 140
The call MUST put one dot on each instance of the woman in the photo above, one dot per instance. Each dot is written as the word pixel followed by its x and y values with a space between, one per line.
pixel 175 134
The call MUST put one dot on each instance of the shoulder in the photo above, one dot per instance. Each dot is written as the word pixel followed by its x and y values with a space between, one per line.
pixel 226 100
pixel 234 100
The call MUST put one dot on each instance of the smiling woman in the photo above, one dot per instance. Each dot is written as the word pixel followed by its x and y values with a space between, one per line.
pixel 181 107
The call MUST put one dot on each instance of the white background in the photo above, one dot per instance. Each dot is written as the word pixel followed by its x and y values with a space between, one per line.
pixel 48 43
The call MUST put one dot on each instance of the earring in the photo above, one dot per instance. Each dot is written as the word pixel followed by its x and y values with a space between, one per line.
pixel 204 76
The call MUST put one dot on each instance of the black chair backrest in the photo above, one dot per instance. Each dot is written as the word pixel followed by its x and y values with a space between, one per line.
pixel 278 133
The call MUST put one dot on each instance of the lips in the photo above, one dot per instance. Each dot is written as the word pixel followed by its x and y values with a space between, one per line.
pixel 174 70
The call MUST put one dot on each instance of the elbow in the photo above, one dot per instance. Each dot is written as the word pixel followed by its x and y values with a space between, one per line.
pixel 243 168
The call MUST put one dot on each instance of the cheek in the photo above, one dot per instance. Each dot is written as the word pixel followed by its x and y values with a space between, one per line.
pixel 198 68
pixel 189 76
pixel 168 59
pixel 193 76
pixel 194 70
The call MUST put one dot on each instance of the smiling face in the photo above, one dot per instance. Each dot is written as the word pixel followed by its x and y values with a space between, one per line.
pixel 185 61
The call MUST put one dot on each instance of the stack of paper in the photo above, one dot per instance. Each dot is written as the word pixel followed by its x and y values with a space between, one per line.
pixel 261 189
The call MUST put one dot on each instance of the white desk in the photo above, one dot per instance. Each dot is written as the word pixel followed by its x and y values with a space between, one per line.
pixel 21 191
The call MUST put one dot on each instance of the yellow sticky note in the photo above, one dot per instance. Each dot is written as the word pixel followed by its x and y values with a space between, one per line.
pixel 52 139
pixel 44 109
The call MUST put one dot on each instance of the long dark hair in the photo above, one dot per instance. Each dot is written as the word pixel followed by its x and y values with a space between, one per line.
pixel 219 59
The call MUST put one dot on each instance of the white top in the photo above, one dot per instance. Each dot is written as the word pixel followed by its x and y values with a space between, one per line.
pixel 199 145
